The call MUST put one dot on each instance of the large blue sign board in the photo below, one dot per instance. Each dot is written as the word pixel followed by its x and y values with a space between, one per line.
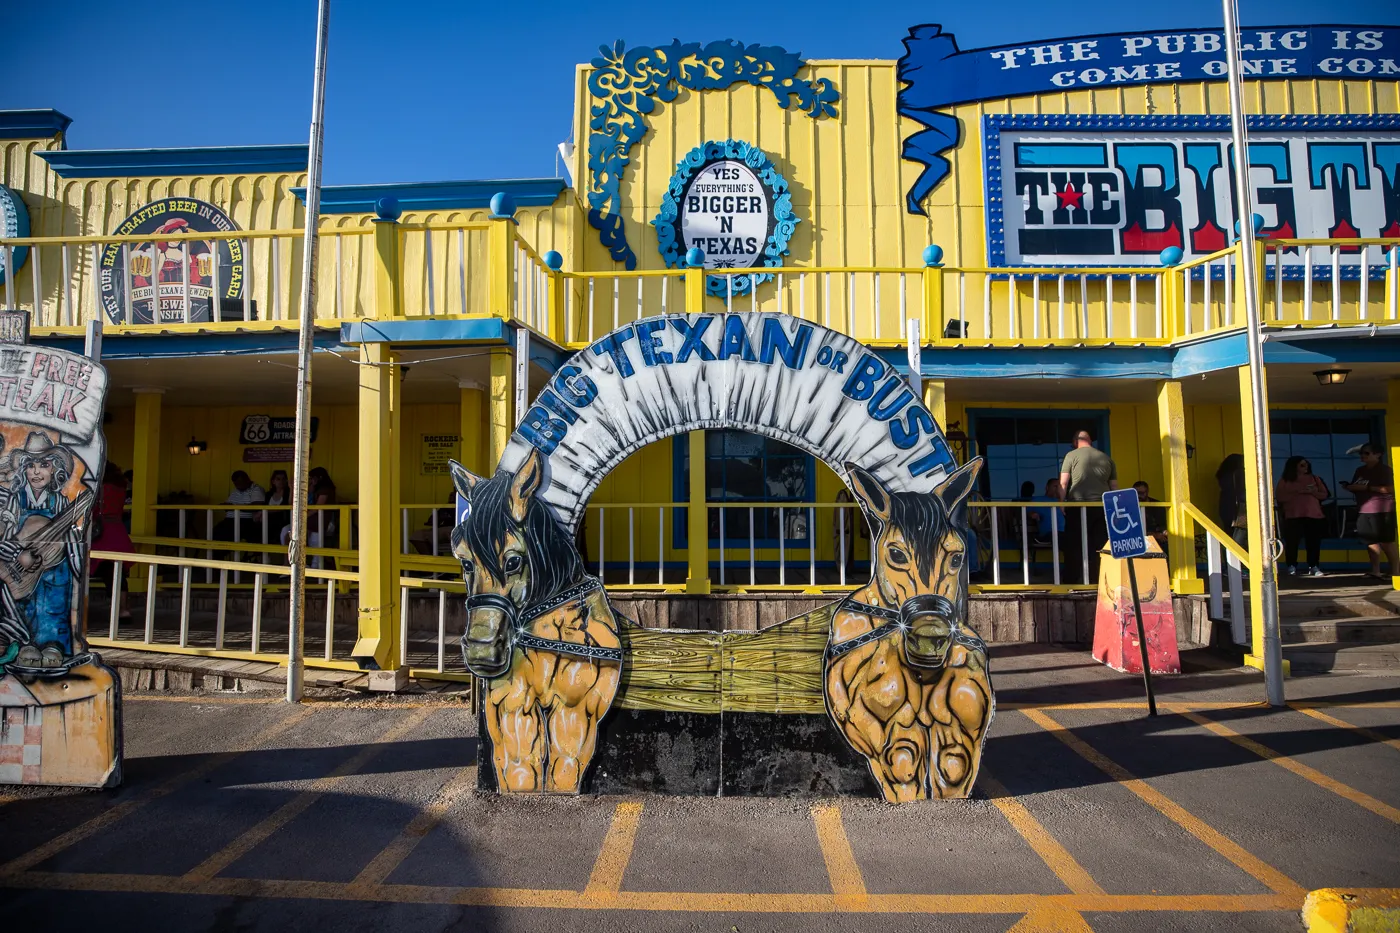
pixel 1123 515
pixel 938 75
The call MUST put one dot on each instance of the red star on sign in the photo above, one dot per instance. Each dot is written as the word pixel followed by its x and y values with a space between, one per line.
pixel 1070 198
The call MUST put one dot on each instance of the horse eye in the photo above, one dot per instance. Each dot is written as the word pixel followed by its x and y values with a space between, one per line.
pixel 468 567
pixel 955 561
pixel 513 564
pixel 897 556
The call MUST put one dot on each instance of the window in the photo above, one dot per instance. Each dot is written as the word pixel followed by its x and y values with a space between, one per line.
pixel 1029 446
pixel 1324 437
pixel 744 467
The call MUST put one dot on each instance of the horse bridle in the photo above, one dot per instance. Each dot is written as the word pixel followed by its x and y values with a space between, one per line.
pixel 516 620
pixel 894 623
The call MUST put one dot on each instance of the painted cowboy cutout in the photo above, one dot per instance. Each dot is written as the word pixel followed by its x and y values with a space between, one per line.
pixel 539 630
pixel 907 682
pixel 42 549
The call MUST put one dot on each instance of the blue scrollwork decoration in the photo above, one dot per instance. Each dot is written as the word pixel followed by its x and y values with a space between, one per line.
pixel 629 83
pixel 781 222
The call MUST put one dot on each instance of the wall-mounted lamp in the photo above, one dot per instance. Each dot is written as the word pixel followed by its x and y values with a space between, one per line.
pixel 1190 451
pixel 1331 377
pixel 197 447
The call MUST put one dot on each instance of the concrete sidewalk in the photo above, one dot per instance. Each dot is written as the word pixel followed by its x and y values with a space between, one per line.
pixel 243 813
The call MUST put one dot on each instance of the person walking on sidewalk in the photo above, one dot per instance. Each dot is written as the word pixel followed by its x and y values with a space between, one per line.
pixel 1085 476
pixel 1300 496
pixel 1374 488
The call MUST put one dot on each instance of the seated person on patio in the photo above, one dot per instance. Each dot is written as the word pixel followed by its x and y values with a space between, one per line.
pixel 1156 519
pixel 244 492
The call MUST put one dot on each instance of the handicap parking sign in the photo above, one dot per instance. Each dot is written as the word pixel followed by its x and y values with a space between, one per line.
pixel 1123 515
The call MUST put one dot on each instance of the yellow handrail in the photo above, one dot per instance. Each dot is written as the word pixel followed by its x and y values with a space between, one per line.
pixel 1230 543
pixel 128 557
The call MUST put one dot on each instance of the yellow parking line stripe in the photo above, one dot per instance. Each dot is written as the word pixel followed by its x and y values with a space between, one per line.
pixel 846 881
pixel 678 901
pixel 1297 767
pixel 393 855
pixel 1343 724
pixel 1055 856
pixel 298 804
pixel 1256 867
pixel 1052 918
pixel 84 830
pixel 616 851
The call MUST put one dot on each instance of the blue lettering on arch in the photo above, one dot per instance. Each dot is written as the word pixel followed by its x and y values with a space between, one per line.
pixel 648 342
pixel 905 433
pixel 690 337
pixel 578 389
pixel 775 339
pixel 542 431
pixel 736 340
pixel 612 346
pixel 860 384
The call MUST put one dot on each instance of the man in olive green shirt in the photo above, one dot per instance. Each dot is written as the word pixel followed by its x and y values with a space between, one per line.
pixel 1085 476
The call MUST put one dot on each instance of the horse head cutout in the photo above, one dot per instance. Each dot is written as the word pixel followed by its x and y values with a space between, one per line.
pixel 920 559
pixel 906 681
pixel 539 630
pixel 514 556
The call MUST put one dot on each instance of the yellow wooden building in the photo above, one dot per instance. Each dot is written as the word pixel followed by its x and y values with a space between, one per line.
pixel 1045 294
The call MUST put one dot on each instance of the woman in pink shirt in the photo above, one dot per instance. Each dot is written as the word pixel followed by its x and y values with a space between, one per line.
pixel 1300 496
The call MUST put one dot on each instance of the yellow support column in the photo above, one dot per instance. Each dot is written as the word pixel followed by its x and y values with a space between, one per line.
pixel 388 298
pixel 697 578
pixel 502 255
pixel 933 295
pixel 502 404
pixel 1260 518
pixel 1392 433
pixel 1181 537
pixel 472 427
pixel 698 520
pixel 936 401
pixel 377 648
pixel 555 324
pixel 145 465
pixel 1173 303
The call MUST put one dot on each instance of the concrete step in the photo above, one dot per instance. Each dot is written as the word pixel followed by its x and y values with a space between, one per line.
pixel 1343 656
pixel 1350 631
pixel 1378 604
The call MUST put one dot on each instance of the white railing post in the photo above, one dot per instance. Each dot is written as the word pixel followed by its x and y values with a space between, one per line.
pixel 222 616
pixel 116 599
pixel 1217 604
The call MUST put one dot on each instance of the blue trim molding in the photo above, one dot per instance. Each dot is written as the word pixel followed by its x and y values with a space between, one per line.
pixel 628 85
pixel 781 221
pixel 438 195
pixel 993 159
pixel 33 124
pixel 212 160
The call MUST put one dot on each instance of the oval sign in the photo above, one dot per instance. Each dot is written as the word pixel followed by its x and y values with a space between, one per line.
pixel 724 212
pixel 728 200
pixel 173 281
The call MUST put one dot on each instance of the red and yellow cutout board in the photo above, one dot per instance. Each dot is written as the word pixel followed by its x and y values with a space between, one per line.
pixel 1115 628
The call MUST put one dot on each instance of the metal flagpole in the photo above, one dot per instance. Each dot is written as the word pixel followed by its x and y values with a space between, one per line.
pixel 300 481
pixel 1268 586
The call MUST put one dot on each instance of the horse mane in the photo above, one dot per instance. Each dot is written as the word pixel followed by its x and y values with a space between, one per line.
pixel 554 562
pixel 924 520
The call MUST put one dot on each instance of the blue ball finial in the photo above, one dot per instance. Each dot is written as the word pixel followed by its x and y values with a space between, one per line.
pixel 1258 220
pixel 554 261
pixel 387 208
pixel 1170 256
pixel 933 255
pixel 502 206
pixel 695 257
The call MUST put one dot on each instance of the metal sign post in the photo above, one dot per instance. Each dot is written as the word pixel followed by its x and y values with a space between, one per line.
pixel 1127 539
pixel 296 627
pixel 1268 586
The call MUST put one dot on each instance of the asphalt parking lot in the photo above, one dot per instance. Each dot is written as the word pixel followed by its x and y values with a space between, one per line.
pixel 242 813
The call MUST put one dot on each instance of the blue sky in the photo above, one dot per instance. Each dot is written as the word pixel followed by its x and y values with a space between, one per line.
pixel 435 90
